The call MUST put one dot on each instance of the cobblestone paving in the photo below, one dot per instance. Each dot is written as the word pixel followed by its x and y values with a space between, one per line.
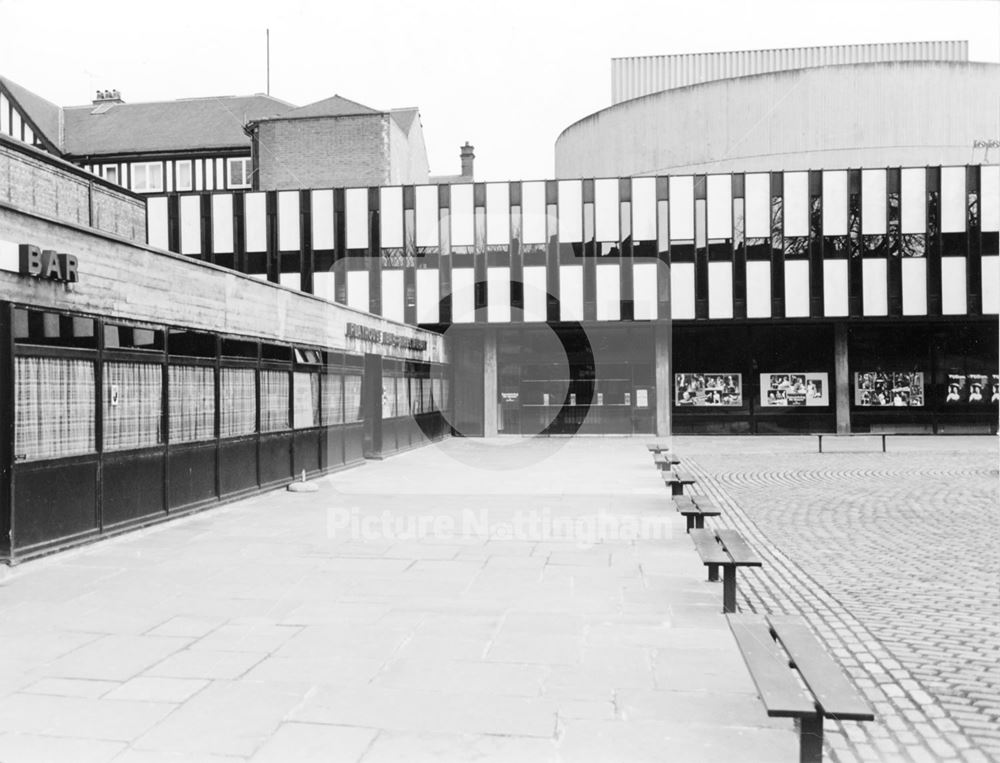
pixel 895 560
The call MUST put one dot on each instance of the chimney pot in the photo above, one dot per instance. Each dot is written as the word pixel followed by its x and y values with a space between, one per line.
pixel 467 155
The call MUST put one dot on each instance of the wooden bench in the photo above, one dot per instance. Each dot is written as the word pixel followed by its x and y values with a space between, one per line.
pixel 820 437
pixel 656 447
pixel 777 647
pixel 695 513
pixel 726 549
pixel 676 479
pixel 664 461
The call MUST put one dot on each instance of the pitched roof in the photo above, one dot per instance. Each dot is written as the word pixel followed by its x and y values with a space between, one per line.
pixel 404 117
pixel 335 106
pixel 43 113
pixel 215 122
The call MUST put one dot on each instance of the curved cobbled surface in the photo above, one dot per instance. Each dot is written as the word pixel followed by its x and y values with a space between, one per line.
pixel 895 560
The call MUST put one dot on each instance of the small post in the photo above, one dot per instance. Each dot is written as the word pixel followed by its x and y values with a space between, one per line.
pixel 729 588
pixel 713 573
pixel 811 739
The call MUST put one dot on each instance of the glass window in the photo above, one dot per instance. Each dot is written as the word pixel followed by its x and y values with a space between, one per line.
pixel 133 405
pixel 388 397
pixel 192 403
pixel 183 169
pixel 239 171
pixel 54 408
pixel 306 399
pixel 333 399
pixel 238 400
pixel 352 398
pixel 416 396
pixel 111 173
pixel 273 401
pixel 402 396
pixel 147 177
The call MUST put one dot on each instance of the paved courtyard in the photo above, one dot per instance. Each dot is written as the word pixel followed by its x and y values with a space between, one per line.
pixel 518 600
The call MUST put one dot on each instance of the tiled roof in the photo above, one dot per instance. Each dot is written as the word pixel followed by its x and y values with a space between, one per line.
pixel 44 114
pixel 123 128
pixel 336 106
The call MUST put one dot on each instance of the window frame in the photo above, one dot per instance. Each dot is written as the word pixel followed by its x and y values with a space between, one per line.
pixel 247 163
pixel 139 170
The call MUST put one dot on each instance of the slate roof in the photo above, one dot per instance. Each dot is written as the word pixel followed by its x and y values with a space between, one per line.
pixel 43 113
pixel 335 106
pixel 124 128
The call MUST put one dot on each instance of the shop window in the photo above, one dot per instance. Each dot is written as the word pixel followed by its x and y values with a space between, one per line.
pixel 192 403
pixel 147 177
pixel 183 170
pixel 352 399
pixel 132 338
pixel 306 399
pixel 427 404
pixel 239 172
pixel 273 401
pixel 436 404
pixel 133 405
pixel 239 348
pixel 53 329
pixel 402 396
pixel 274 352
pixel 238 402
pixel 333 399
pixel 388 397
pixel 54 408
pixel 191 343
pixel 416 396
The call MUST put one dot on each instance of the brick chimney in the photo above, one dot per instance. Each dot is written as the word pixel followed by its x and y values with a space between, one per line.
pixel 468 155
pixel 107 96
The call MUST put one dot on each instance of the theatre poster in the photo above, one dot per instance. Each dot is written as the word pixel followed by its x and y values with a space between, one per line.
pixel 887 389
pixel 708 390
pixel 795 389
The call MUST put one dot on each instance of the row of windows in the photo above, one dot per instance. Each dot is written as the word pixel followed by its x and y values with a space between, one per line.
pixel 14 125
pixel 179 175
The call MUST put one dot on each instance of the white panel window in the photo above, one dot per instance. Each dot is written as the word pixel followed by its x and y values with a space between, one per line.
pixel 571 292
pixel 534 293
pixel 29 135
pixel 953 294
pixel 462 217
pixel 288 221
pixel 4 115
pixel 392 295
pixel 720 206
pixel 239 172
pixel 185 180
pixel 391 217
pixel 357 289
pixel 169 175
pixel 533 212
pixel 220 173
pixel 15 124
pixel 110 173
pixel 570 211
pixel 796 201
pixel 324 284
pixel 609 292
pixel 9 258
pixel 428 296
pixel 156 211
pixel 758 289
pixel 291 280
pixel 209 176
pixel 498 294
pixel 873 221
pixel 199 181
pixel 834 288
pixel 682 290
pixel 190 209
pixel 989 198
pixel 427 215
pixel 497 214
pixel 255 220
pixel 914 285
pixel 758 205
pixel 463 296
pixel 720 290
pixel 222 222
pixel 913 200
pixel 991 285
pixel 835 203
pixel 681 208
pixel 874 286
pixel 797 288
pixel 606 211
pixel 953 200
pixel 147 177
pixel 322 219
pixel 644 209
pixel 356 207
pixel 644 290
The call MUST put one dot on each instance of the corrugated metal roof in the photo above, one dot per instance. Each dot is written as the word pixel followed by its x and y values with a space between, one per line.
pixel 636 76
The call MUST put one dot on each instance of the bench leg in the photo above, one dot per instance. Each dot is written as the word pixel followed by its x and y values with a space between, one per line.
pixel 691 523
pixel 883 443
pixel 820 438
pixel 713 573
pixel 729 588
pixel 676 488
pixel 811 739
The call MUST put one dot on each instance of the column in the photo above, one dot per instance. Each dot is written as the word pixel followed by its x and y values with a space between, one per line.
pixel 841 379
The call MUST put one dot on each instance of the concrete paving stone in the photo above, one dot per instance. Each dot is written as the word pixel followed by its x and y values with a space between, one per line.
pixel 365 641
pixel 702 670
pixel 323 668
pixel 539 649
pixel 326 612
pixel 33 748
pixel 71 687
pixel 695 707
pixel 426 748
pixel 186 627
pixel 424 711
pixel 586 709
pixel 152 689
pixel 226 718
pixel 205 663
pixel 313 743
pixel 465 677
pixel 115 657
pixel 79 717
pixel 257 636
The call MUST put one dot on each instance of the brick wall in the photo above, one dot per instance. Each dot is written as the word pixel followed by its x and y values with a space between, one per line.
pixel 38 182
pixel 324 152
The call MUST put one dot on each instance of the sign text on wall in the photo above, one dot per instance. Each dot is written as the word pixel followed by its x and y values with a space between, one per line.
pixel 366 334
pixel 46 263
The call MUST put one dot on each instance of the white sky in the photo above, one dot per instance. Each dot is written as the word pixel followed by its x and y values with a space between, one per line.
pixel 508 76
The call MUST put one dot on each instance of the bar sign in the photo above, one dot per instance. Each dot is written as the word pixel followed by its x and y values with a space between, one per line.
pixel 46 263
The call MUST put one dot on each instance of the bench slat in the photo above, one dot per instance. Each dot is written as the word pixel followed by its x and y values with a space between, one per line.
pixel 683 476
pixel 704 503
pixel 823 675
pixel 738 548
pixel 698 511
pixel 683 502
pixel 708 548
pixel 781 693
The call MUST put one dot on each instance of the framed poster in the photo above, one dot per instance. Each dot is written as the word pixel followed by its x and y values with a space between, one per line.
pixel 708 390
pixel 882 389
pixel 795 389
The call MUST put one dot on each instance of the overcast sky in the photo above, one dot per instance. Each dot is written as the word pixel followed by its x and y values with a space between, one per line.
pixel 506 76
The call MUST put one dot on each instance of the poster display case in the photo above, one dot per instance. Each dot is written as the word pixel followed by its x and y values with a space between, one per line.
pixel 708 390
pixel 802 389
pixel 886 389
pixel 975 389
